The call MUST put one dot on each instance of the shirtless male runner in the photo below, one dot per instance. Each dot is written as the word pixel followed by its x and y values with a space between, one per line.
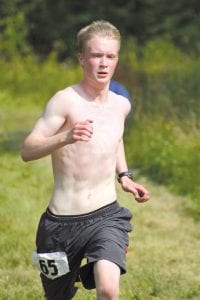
pixel 82 128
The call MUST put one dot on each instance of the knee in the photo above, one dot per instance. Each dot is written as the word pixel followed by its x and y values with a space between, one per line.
pixel 107 292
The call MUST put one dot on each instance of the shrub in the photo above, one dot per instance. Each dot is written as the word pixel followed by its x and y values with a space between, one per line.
pixel 168 156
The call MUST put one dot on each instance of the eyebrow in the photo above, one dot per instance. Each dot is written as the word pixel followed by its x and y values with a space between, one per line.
pixel 99 53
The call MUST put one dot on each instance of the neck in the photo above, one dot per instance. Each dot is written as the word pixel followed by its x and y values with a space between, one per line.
pixel 96 93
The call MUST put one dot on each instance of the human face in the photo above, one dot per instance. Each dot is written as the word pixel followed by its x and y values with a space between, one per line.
pixel 99 59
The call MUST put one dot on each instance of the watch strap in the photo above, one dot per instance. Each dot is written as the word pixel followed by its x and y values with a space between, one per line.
pixel 122 174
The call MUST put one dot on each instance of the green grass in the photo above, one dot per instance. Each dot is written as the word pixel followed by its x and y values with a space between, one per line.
pixel 164 246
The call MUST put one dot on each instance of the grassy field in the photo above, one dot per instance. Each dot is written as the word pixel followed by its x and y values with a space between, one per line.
pixel 163 258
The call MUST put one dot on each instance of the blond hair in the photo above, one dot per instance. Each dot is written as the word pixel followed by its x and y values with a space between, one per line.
pixel 97 28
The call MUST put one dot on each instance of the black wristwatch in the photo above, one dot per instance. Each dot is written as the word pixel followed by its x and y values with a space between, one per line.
pixel 122 174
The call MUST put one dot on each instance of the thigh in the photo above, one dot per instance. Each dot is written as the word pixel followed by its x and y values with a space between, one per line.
pixel 56 237
pixel 106 274
pixel 61 288
pixel 108 241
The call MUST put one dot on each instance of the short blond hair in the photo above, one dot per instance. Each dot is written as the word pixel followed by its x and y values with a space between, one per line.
pixel 97 28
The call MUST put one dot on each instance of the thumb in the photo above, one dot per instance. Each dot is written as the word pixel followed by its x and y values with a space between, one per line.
pixel 131 189
pixel 136 194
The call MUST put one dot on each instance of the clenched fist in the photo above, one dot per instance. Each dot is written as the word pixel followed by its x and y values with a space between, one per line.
pixel 82 131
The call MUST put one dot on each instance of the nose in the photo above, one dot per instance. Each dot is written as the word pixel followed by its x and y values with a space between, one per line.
pixel 103 61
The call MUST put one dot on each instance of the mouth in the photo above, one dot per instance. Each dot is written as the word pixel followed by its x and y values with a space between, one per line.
pixel 102 73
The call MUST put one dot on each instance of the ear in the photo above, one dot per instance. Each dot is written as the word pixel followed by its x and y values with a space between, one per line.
pixel 81 59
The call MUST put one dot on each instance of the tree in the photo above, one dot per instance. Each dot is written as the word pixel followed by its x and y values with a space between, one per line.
pixel 52 25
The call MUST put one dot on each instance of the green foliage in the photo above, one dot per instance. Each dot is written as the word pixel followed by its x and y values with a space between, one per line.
pixel 52 25
pixel 13 41
pixel 168 156
pixel 163 139
pixel 29 83
pixel 166 81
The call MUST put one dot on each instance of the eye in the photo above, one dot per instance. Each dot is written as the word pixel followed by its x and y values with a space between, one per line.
pixel 96 55
pixel 111 56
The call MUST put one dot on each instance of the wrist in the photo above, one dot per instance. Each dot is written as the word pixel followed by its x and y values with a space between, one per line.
pixel 65 138
pixel 124 174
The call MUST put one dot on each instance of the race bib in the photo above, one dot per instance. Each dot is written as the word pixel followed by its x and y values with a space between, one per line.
pixel 52 265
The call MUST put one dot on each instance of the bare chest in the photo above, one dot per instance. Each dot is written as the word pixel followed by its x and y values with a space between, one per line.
pixel 85 159
pixel 108 126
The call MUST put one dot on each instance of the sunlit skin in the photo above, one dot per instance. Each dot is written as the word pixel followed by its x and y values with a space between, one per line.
pixel 99 61
pixel 82 128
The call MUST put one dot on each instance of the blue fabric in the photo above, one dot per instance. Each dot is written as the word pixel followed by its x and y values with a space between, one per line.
pixel 119 89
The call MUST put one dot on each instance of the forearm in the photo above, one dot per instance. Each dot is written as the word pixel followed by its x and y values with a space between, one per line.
pixel 36 147
pixel 121 168
pixel 126 180
pixel 121 165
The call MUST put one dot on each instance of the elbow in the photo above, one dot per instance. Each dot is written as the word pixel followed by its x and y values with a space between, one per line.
pixel 25 159
pixel 24 156
pixel 26 152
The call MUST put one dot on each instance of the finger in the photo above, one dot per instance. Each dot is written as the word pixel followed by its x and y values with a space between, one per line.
pixel 143 193
pixel 145 198
pixel 140 200
pixel 85 122
pixel 135 194
pixel 83 138
pixel 83 128
pixel 83 132
pixel 140 196
pixel 89 121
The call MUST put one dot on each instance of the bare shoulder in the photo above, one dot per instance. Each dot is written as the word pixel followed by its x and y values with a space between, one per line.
pixel 62 95
pixel 121 102
pixel 60 102
pixel 55 114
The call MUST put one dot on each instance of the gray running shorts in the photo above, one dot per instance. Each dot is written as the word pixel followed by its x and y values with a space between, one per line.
pixel 63 241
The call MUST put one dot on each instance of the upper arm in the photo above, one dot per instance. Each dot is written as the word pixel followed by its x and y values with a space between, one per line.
pixel 53 117
pixel 126 106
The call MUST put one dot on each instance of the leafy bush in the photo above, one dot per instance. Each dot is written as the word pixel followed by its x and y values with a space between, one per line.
pixel 13 37
pixel 168 156
pixel 166 81
pixel 33 83
pixel 163 138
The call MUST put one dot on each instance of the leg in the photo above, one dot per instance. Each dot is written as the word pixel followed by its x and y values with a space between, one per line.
pixel 61 288
pixel 107 276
